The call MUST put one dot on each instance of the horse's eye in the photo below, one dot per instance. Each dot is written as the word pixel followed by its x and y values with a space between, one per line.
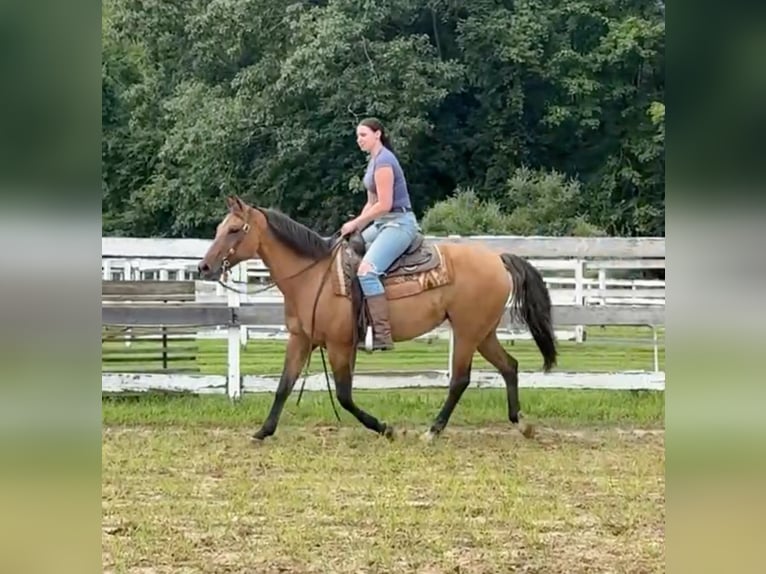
pixel 233 230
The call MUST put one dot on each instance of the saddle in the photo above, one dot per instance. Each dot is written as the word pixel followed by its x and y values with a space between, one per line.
pixel 418 258
pixel 420 268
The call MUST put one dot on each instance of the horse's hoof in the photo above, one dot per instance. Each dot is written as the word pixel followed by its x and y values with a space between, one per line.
pixel 259 437
pixel 389 432
pixel 428 436
pixel 526 429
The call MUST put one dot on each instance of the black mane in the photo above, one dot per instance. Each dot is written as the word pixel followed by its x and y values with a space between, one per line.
pixel 298 237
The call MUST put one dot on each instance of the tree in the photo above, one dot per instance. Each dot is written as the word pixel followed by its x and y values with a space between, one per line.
pixel 200 99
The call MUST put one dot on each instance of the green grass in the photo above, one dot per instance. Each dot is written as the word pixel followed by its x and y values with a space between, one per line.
pixel 606 349
pixel 409 407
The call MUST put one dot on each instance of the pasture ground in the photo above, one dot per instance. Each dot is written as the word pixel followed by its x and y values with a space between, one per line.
pixel 184 490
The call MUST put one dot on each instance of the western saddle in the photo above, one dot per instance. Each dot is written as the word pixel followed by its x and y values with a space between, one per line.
pixel 418 258
pixel 420 268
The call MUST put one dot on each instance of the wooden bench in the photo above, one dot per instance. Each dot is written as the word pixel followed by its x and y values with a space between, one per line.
pixel 148 348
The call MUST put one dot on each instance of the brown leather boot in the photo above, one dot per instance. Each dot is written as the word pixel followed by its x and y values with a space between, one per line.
pixel 381 328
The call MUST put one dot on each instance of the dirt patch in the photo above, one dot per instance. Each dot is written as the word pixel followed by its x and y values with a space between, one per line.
pixel 329 499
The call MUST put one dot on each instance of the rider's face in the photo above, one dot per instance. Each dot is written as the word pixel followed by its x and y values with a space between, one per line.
pixel 366 138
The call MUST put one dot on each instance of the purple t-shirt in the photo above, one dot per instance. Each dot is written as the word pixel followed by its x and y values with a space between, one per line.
pixel 401 193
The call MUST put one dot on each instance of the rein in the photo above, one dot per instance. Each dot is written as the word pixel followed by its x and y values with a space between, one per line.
pixel 333 252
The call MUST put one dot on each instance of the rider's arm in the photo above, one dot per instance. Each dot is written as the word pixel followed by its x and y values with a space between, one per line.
pixel 384 185
pixel 370 202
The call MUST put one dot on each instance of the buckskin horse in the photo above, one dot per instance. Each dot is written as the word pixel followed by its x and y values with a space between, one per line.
pixel 468 285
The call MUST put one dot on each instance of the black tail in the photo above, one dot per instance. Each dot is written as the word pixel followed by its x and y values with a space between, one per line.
pixel 531 304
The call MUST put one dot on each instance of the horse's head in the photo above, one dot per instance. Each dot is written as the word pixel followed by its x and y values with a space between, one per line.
pixel 236 239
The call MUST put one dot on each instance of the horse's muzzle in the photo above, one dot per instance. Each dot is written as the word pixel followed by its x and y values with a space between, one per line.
pixel 207 272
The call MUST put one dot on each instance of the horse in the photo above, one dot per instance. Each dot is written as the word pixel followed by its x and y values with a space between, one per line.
pixel 468 285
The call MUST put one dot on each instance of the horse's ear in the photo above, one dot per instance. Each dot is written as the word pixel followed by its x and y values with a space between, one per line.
pixel 235 203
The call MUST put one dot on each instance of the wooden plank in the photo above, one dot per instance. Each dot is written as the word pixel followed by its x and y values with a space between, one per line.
pixel 148 357
pixel 212 314
pixel 172 339
pixel 170 350
pixel 144 382
pixel 626 264
pixel 563 315
pixel 177 297
pixel 608 315
pixel 171 314
pixel 580 247
pixel 154 247
pixel 483 379
pixel 148 290
pixel 147 287
pixel 149 332
pixel 144 370
pixel 216 384
pixel 625 293
pixel 583 247
pixel 272 313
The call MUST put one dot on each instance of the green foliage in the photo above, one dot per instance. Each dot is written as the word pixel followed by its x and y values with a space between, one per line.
pixel 546 203
pixel 535 203
pixel 465 214
pixel 200 99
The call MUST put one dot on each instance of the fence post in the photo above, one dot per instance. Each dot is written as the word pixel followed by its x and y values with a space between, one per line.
pixel 602 285
pixel 579 294
pixel 242 276
pixel 233 381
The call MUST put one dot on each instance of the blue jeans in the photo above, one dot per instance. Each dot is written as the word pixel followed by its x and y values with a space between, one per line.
pixel 386 239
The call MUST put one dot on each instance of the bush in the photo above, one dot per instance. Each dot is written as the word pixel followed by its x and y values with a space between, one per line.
pixel 546 203
pixel 535 203
pixel 465 214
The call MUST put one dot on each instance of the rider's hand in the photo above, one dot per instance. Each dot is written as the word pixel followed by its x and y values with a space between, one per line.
pixel 348 228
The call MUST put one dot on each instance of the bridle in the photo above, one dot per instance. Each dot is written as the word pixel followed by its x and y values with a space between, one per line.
pixel 226 264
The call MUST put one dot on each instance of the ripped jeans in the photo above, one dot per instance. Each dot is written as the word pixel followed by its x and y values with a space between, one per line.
pixel 386 239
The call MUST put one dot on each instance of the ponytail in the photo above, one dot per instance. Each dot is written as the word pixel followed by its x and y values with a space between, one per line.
pixel 384 139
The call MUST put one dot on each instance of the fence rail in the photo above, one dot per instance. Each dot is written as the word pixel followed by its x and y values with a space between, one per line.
pixel 576 271
pixel 272 313
pixel 555 247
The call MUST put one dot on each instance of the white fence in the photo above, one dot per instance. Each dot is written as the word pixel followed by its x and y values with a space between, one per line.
pixel 577 271
pixel 580 273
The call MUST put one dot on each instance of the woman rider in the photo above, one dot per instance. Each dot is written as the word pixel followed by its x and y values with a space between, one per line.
pixel 392 223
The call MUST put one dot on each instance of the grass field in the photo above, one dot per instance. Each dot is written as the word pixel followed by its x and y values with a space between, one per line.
pixel 184 490
pixel 606 349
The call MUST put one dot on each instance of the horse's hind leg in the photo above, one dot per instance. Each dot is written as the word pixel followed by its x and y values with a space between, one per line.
pixel 341 361
pixel 491 349
pixel 461 377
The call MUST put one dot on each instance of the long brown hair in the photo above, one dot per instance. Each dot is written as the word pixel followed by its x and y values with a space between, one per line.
pixel 375 125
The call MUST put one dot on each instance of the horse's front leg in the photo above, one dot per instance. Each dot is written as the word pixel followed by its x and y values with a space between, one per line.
pixel 298 350
pixel 341 361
